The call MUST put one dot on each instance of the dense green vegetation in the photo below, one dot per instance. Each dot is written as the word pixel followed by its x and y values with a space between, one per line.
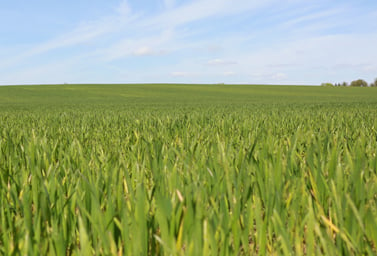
pixel 354 83
pixel 188 170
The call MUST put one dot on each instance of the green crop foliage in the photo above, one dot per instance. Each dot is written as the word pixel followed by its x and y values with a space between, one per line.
pixel 188 170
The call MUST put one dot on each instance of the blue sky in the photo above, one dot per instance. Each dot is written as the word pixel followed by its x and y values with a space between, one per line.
pixel 193 41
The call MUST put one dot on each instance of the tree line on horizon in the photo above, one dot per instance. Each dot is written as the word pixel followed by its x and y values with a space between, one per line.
pixel 355 83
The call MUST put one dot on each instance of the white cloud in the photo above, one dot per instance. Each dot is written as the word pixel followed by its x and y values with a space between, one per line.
pixel 202 9
pixel 220 62
pixel 85 33
pixel 229 73
pixel 293 46
pixel 124 8
pixel 180 74
pixel 140 45
pixel 169 4
pixel 51 72
pixel 313 16
pixel 312 60
pixel 370 68
pixel 124 20
pixel 279 76
pixel 142 51
pixel 76 37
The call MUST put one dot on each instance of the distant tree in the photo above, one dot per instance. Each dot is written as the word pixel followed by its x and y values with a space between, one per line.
pixel 344 84
pixel 374 84
pixel 327 84
pixel 359 83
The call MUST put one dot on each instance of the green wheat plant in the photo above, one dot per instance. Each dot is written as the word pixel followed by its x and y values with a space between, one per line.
pixel 188 170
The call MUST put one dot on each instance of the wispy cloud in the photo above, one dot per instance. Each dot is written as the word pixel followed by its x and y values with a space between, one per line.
pixel 221 62
pixel 142 45
pixel 169 3
pixel 229 73
pixel 202 9
pixel 85 32
pixel 312 17
pixel 181 74
pixel 124 8
pixel 144 51
pixel 202 40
